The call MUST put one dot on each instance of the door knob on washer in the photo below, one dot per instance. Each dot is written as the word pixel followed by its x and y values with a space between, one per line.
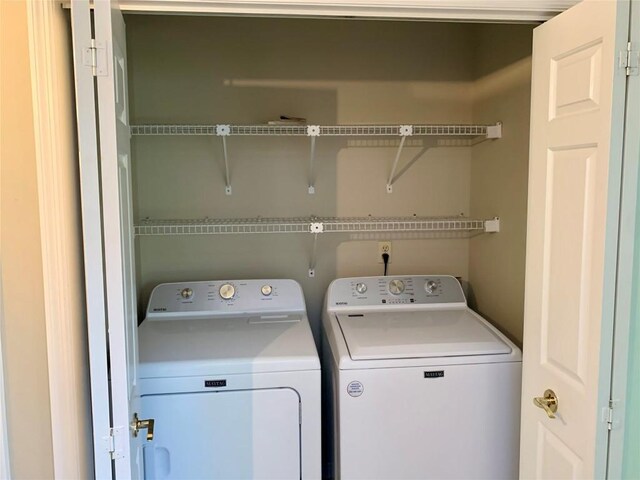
pixel 549 403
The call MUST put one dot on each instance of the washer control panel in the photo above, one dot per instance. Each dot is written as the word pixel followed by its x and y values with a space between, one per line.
pixel 396 290
pixel 224 297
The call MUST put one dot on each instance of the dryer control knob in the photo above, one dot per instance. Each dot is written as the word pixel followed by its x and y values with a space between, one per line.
pixel 186 293
pixel 227 291
pixel 396 287
pixel 361 287
pixel 430 286
pixel 266 290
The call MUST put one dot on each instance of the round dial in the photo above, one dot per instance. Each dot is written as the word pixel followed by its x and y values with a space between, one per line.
pixel 227 291
pixel 266 290
pixel 396 287
pixel 186 293
pixel 361 287
pixel 430 286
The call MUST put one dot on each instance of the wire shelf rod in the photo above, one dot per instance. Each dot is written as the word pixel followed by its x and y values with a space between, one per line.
pixel 452 130
pixel 315 225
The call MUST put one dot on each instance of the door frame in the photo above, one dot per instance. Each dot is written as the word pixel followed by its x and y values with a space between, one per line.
pixel 61 239
pixel 48 115
pixel 628 280
pixel 526 11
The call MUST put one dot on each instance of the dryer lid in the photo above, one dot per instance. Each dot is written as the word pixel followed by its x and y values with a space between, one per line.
pixel 423 334
pixel 226 345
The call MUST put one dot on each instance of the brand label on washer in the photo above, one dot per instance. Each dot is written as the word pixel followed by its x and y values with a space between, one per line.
pixel 355 389
pixel 215 383
pixel 434 374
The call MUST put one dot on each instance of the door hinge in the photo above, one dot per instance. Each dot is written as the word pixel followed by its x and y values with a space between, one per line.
pixel 630 60
pixel 608 415
pixel 95 56
pixel 113 442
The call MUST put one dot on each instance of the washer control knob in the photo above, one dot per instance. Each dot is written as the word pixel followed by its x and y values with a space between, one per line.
pixel 186 293
pixel 396 287
pixel 227 291
pixel 430 286
pixel 361 287
pixel 266 290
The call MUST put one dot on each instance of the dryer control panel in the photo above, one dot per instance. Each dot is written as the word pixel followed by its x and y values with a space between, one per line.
pixel 396 290
pixel 224 297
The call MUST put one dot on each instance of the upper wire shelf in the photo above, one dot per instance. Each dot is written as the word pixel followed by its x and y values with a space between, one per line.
pixel 490 131
pixel 148 227
pixel 313 132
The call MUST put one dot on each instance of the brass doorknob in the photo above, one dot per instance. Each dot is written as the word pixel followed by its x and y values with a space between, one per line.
pixel 549 403
pixel 137 425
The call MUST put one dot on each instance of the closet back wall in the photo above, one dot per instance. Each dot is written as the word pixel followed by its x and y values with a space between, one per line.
pixel 209 70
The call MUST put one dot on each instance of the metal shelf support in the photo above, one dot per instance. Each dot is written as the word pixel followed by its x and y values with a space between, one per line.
pixel 224 131
pixel 405 131
pixel 313 131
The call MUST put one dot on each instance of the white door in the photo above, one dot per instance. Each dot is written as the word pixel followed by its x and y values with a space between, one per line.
pixel 574 188
pixel 109 249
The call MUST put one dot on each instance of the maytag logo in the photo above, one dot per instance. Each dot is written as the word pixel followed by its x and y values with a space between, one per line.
pixel 160 309
pixel 434 374
pixel 341 303
pixel 215 383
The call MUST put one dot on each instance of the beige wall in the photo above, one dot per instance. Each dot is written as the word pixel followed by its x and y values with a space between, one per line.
pixel 499 171
pixel 247 71
pixel 23 328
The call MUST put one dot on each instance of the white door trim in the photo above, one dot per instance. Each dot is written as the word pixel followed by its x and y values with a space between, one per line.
pixel 458 10
pixel 61 238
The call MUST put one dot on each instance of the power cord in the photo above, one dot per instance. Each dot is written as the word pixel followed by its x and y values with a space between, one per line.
pixel 385 259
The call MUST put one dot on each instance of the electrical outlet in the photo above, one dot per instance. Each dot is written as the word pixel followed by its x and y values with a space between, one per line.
pixel 384 247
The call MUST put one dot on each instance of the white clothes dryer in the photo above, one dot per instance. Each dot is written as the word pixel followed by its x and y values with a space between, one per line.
pixel 230 373
pixel 422 387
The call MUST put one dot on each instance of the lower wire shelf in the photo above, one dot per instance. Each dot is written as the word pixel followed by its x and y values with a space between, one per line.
pixel 315 225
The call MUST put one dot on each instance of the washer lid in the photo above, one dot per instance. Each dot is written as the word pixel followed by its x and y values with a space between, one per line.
pixel 226 345
pixel 430 333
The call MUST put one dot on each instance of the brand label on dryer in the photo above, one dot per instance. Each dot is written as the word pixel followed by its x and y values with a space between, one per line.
pixel 355 389
pixel 215 383
pixel 434 374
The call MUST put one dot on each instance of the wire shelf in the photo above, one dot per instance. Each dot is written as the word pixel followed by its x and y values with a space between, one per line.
pixel 208 226
pixel 303 130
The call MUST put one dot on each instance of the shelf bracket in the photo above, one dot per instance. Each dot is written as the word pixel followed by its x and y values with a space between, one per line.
pixel 405 131
pixel 315 228
pixel 224 131
pixel 494 131
pixel 492 226
pixel 313 131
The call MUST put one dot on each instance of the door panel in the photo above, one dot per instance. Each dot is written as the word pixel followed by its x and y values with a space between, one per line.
pixel 92 237
pixel 555 458
pixel 569 205
pixel 574 183
pixel 115 162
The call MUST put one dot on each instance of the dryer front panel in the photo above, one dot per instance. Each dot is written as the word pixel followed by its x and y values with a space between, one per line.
pixel 243 434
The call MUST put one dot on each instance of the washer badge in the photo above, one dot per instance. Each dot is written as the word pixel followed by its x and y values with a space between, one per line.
pixel 355 389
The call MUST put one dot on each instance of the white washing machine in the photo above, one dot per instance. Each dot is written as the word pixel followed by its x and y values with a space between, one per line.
pixel 421 386
pixel 230 373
